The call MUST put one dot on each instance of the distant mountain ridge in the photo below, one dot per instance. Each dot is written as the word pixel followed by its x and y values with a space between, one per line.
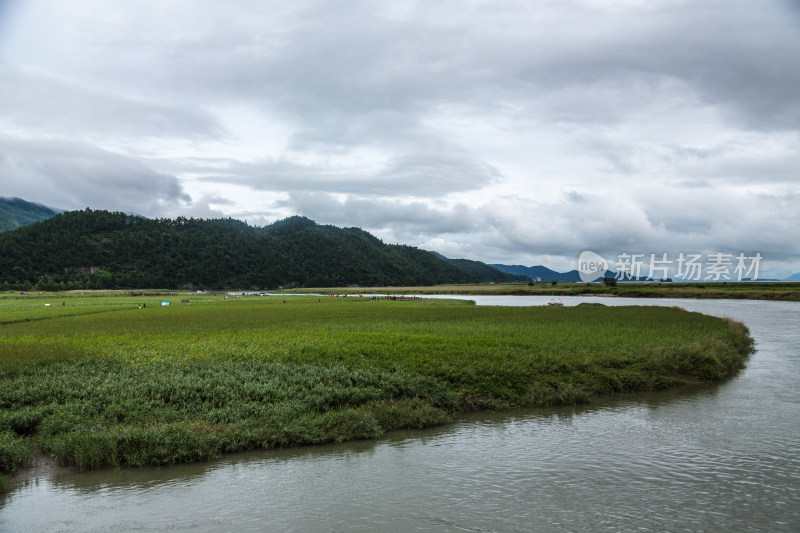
pixel 16 212
pixel 542 273
pixel 532 272
pixel 483 272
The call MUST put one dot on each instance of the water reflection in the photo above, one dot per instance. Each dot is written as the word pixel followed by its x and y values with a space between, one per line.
pixel 152 477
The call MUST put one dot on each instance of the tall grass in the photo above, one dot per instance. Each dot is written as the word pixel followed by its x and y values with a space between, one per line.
pixel 101 383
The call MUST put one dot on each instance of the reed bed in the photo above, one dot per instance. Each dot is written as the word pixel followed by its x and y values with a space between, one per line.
pixel 100 382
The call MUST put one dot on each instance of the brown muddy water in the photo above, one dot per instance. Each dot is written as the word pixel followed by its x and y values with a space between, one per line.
pixel 719 458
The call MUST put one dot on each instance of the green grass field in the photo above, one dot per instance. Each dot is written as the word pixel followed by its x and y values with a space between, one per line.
pixel 97 382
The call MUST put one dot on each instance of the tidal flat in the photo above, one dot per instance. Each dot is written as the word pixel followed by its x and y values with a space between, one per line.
pixel 115 381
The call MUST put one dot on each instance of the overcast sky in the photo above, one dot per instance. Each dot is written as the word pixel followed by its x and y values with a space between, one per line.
pixel 519 132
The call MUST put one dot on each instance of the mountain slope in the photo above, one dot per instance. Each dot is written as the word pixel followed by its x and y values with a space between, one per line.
pixel 16 212
pixel 481 271
pixel 326 256
pixel 545 274
pixel 99 249
pixel 533 272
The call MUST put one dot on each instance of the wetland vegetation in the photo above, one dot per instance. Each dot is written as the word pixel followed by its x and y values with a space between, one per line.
pixel 745 290
pixel 99 382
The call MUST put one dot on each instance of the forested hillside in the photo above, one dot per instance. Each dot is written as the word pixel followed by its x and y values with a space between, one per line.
pixel 15 212
pixel 483 272
pixel 99 249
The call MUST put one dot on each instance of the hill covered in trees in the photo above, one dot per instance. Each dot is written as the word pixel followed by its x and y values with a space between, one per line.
pixel 103 250
pixel 483 272
pixel 16 212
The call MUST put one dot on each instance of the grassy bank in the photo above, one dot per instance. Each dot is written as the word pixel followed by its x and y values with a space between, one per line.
pixel 98 382
pixel 785 291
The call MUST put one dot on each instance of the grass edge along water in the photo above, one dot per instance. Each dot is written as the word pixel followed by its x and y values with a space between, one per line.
pixel 123 381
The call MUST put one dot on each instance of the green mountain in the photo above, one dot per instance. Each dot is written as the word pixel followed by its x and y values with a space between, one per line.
pixel 542 273
pixel 99 249
pixel 483 272
pixel 15 213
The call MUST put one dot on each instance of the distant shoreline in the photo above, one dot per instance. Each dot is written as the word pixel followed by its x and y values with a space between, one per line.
pixel 781 290
pixel 749 290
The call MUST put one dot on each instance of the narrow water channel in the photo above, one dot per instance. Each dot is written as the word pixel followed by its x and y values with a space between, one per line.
pixel 719 458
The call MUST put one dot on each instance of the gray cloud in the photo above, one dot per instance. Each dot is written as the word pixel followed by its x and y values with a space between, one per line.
pixel 73 175
pixel 404 218
pixel 40 104
pixel 344 72
pixel 514 230
pixel 668 220
pixel 207 206
pixel 421 175
pixel 509 131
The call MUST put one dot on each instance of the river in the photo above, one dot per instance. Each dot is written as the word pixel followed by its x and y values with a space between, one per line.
pixel 718 458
